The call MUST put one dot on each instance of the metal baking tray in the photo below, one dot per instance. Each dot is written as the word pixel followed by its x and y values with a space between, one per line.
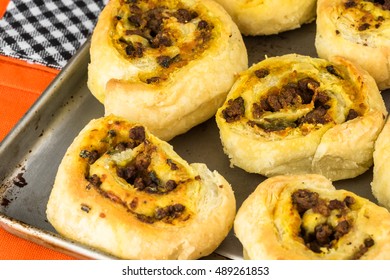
pixel 32 151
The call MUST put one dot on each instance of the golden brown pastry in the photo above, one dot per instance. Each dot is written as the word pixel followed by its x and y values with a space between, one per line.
pixel 123 191
pixel 296 114
pixel 359 31
pixel 266 17
pixel 381 172
pixel 166 64
pixel 304 217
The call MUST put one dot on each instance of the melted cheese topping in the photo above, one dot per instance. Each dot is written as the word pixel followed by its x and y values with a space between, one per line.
pixel 161 36
pixel 363 22
pixel 156 204
pixel 270 111
pixel 326 232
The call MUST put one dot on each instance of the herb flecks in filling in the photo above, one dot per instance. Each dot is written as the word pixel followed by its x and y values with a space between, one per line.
pixel 301 102
pixel 90 155
pixel 85 208
pixel 369 14
pixel 331 222
pixel 292 95
pixel 166 30
pixel 140 173
pixel 166 214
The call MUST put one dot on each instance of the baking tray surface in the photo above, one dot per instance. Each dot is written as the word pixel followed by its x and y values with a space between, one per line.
pixel 32 151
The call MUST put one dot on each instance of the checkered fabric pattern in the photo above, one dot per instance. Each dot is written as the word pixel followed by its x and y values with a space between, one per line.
pixel 47 32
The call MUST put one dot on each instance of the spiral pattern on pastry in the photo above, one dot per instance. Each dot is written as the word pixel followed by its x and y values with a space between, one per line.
pixel 297 114
pixel 266 17
pixel 359 31
pixel 125 192
pixel 305 217
pixel 165 64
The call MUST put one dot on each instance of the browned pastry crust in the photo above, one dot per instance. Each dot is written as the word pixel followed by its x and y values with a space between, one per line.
pixel 296 114
pixel 381 172
pixel 305 217
pixel 359 31
pixel 123 191
pixel 266 17
pixel 166 64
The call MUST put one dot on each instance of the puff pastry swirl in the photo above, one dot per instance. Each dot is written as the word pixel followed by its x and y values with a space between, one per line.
pixel 165 64
pixel 358 30
pixel 266 17
pixel 305 217
pixel 297 114
pixel 123 191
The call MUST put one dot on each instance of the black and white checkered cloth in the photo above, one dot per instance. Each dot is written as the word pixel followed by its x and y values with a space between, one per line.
pixel 47 32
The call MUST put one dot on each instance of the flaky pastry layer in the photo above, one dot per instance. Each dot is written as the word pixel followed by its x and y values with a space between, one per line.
pixel 381 172
pixel 305 217
pixel 121 190
pixel 165 64
pixel 266 17
pixel 296 114
pixel 358 30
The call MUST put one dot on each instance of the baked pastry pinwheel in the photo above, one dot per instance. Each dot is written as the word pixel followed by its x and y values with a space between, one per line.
pixel 297 114
pixel 381 172
pixel 357 30
pixel 125 192
pixel 304 217
pixel 269 16
pixel 165 64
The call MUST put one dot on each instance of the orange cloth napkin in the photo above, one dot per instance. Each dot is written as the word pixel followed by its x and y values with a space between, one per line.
pixel 21 84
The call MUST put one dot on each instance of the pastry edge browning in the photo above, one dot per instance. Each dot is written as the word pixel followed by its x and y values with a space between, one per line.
pixel 190 95
pixel 329 42
pixel 257 226
pixel 330 151
pixel 111 228
pixel 269 17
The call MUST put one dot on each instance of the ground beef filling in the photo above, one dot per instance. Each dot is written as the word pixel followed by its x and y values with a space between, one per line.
pixel 165 214
pixel 90 155
pixel 145 28
pixel 136 173
pixel 304 91
pixel 369 20
pixel 235 110
pixel 291 95
pixel 325 235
